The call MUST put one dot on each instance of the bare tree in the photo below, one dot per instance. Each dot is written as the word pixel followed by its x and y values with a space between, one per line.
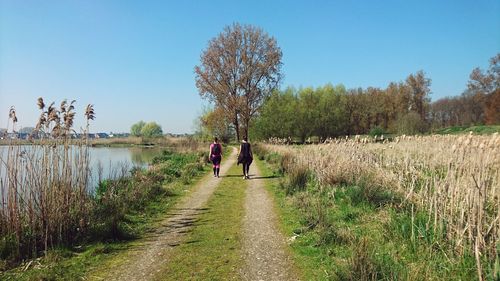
pixel 238 70
pixel 420 89
pixel 487 86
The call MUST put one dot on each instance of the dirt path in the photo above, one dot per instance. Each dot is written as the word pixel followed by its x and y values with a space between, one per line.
pixel 142 263
pixel 263 244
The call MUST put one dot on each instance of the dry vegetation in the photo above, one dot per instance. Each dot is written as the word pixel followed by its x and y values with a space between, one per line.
pixel 44 187
pixel 454 180
pixel 46 193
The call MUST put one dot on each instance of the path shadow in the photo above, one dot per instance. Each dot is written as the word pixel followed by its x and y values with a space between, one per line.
pixel 192 209
pixel 261 177
pixel 252 177
pixel 232 176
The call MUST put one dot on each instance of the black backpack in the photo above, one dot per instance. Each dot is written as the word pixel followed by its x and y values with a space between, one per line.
pixel 216 149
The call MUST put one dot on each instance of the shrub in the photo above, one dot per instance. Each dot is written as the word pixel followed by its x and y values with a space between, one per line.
pixel 411 124
pixel 377 131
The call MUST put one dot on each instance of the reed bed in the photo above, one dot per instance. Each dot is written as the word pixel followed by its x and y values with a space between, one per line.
pixel 44 187
pixel 454 180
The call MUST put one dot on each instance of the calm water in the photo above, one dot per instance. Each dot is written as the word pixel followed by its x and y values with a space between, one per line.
pixel 110 162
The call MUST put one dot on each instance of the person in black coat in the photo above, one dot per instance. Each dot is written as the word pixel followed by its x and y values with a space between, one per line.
pixel 245 157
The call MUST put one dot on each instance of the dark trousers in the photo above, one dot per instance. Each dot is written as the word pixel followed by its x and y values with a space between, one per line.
pixel 246 168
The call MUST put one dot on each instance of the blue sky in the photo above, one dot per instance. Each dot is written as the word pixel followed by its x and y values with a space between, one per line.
pixel 134 59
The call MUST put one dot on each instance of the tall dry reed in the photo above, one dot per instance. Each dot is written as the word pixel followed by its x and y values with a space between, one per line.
pixel 453 179
pixel 43 186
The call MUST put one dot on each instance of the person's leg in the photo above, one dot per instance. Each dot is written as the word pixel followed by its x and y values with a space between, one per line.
pixel 217 165
pixel 248 170
pixel 215 171
pixel 244 169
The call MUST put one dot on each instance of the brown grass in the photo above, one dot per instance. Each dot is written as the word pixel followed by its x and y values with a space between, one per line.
pixel 454 179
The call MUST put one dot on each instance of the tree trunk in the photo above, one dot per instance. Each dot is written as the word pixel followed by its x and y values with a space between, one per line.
pixel 237 127
pixel 245 129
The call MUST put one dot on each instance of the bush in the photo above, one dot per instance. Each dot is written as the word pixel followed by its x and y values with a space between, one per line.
pixel 411 124
pixel 377 131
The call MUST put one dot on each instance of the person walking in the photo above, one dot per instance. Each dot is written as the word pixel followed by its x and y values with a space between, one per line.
pixel 215 156
pixel 245 157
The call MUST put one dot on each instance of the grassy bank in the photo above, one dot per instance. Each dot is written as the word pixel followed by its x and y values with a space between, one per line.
pixel 212 250
pixel 122 210
pixel 171 142
pixel 360 230
pixel 479 130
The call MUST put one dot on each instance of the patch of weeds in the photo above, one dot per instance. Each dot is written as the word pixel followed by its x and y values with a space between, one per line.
pixel 8 247
pixel 297 180
pixel 100 249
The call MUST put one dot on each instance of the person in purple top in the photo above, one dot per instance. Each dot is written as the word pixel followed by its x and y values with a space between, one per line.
pixel 215 155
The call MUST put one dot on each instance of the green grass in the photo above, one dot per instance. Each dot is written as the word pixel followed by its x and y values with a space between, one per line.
pixel 478 130
pixel 73 263
pixel 345 234
pixel 213 249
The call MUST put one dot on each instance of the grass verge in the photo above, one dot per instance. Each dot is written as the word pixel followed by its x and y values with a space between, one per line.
pixel 309 259
pixel 212 249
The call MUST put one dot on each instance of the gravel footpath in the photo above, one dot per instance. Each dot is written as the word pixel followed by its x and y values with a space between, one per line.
pixel 264 247
pixel 145 261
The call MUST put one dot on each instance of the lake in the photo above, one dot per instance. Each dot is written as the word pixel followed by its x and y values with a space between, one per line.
pixel 110 161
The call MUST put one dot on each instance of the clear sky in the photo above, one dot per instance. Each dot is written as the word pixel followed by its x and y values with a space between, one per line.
pixel 134 59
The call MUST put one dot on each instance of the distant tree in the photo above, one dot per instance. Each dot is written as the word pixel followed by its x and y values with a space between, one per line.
pixel 357 110
pixel 332 120
pixel 492 110
pixel 472 106
pixel 277 116
pixel 392 104
pixel 376 108
pixel 486 86
pixel 151 130
pixel 486 82
pixel 215 124
pixel 307 113
pixel 238 70
pixel 443 112
pixel 136 129
pixel 420 90
pixel 411 124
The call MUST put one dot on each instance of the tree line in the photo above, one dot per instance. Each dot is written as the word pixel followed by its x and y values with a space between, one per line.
pixel 404 108
pixel 332 111
pixel 240 71
pixel 479 104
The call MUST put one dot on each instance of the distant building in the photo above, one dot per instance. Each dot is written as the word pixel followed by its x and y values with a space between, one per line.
pixel 101 136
